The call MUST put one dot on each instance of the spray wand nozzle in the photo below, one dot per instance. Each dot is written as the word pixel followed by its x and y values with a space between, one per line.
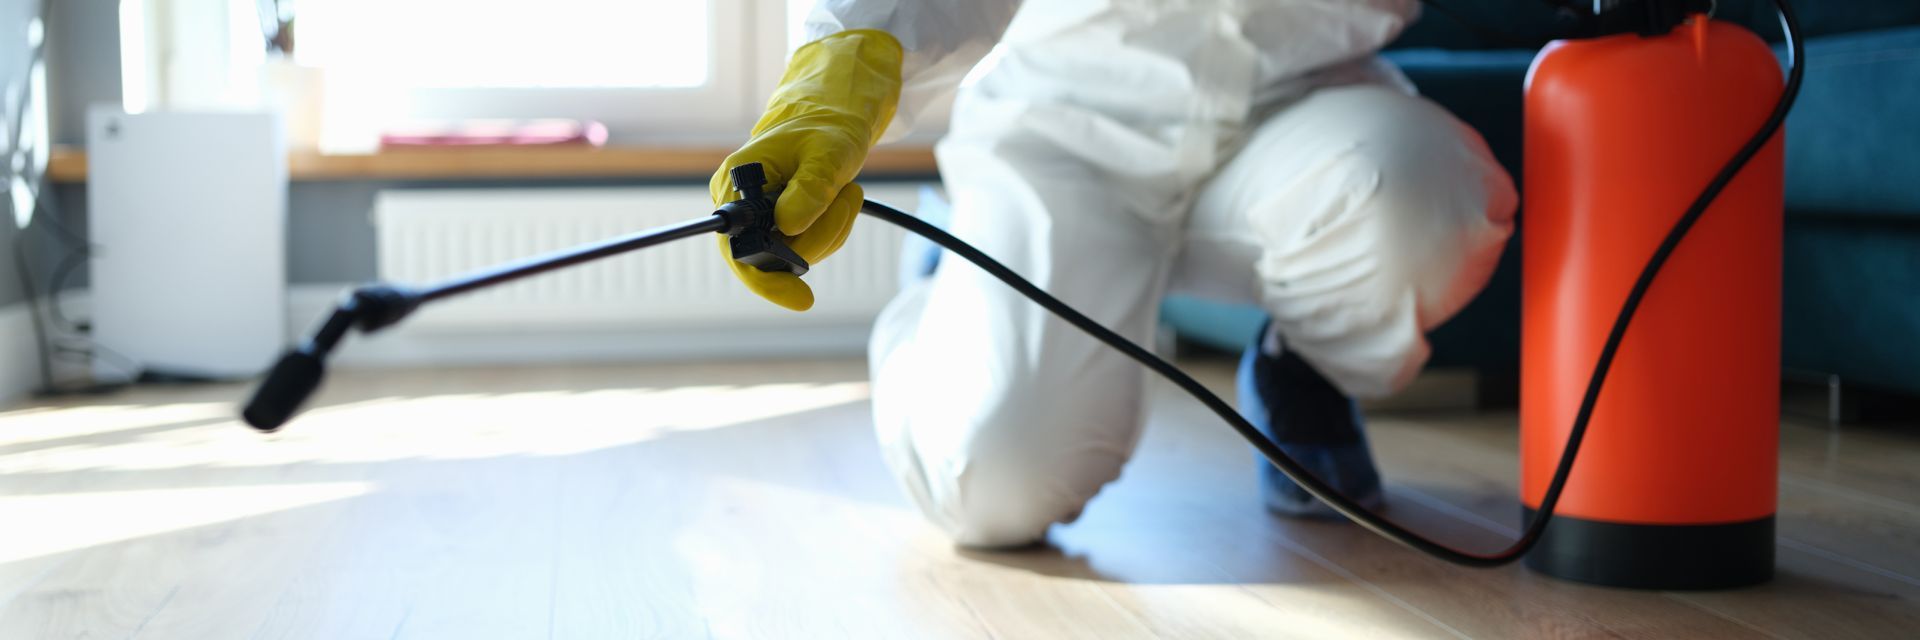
pixel 748 221
pixel 755 239
pixel 299 372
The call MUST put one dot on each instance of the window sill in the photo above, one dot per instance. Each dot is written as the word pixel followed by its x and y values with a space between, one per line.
pixel 69 164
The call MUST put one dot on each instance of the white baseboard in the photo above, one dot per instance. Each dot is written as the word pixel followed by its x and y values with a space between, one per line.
pixel 489 343
pixel 544 343
pixel 19 353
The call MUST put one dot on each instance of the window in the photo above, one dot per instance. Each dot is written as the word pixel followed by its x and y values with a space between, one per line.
pixel 24 135
pixel 652 70
pixel 566 44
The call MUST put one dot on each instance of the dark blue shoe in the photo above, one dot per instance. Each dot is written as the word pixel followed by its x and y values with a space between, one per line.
pixel 1314 423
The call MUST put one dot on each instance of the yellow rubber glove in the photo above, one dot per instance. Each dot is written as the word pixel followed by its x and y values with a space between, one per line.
pixel 836 98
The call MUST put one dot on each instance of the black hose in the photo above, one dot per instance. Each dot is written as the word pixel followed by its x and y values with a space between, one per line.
pixel 1299 474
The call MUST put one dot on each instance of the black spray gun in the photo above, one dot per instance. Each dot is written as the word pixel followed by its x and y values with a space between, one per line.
pixel 748 223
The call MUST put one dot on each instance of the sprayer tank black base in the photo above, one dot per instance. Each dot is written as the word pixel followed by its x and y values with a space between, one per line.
pixel 1649 556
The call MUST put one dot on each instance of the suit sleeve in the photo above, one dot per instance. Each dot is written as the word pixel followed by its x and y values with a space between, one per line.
pixel 943 40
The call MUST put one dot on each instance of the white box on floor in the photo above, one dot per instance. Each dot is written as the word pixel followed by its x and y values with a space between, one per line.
pixel 187 213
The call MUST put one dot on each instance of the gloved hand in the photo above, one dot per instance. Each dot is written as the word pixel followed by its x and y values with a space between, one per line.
pixel 836 98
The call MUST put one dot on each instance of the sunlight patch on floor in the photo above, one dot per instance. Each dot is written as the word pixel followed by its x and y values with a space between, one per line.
pixel 54 523
pixel 42 424
pixel 437 427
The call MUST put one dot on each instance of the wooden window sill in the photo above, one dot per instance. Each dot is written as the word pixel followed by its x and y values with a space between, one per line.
pixel 69 164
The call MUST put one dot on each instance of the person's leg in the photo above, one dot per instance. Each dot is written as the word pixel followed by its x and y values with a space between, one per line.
pixel 1360 217
pixel 1072 160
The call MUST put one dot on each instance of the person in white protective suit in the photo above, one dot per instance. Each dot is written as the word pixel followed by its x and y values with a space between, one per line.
pixel 1110 150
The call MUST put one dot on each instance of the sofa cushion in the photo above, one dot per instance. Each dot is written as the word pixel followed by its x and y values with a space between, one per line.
pixel 1853 147
pixel 1485 24
pixel 1822 17
pixel 1853 141
pixel 1506 24
pixel 1850 307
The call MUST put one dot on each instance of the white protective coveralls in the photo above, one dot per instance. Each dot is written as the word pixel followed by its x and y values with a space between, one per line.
pixel 1251 150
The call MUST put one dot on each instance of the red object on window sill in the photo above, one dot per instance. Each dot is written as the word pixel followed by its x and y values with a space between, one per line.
pixel 471 133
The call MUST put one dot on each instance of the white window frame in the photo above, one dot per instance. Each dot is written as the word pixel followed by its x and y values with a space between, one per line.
pixel 744 47
pixel 747 50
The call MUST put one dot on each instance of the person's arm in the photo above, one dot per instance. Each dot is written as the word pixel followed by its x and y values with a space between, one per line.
pixel 1299 37
pixel 943 39
pixel 839 94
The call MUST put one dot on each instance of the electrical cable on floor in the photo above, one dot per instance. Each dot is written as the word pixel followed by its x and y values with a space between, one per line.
pixel 55 341
pixel 78 330
pixel 56 283
pixel 23 269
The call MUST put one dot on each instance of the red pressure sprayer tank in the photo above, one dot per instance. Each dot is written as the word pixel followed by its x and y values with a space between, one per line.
pixel 1675 486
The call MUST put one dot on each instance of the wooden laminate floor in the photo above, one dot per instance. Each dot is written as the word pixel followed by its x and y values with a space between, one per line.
pixel 749 500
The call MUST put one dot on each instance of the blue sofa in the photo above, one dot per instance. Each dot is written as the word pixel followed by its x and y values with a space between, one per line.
pixel 1852 271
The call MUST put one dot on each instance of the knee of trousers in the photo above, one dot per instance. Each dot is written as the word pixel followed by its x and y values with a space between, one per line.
pixel 1387 241
pixel 994 461
pixel 996 478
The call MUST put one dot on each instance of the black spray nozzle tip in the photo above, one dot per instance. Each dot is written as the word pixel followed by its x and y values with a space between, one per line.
pixel 287 387
pixel 748 176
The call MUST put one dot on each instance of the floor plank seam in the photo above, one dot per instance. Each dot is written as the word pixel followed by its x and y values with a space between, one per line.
pixel 1849 493
pixel 1240 586
pixel 1460 513
pixel 1117 606
pixel 401 626
pixel 555 560
pixel 1364 583
pixel 155 613
pixel 1688 601
pixel 1812 550
pixel 277 601
pixel 965 604
pixel 7 602
pixel 1448 508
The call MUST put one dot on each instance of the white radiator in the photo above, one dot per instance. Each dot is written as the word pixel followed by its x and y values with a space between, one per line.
pixel 429 234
